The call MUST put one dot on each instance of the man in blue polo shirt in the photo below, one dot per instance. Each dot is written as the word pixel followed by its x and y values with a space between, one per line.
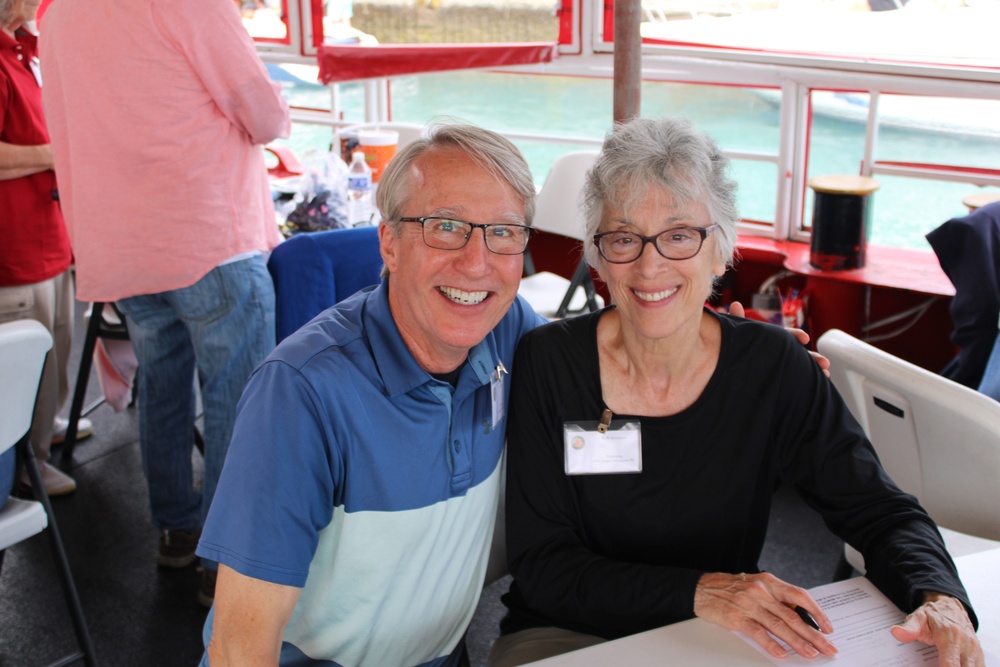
pixel 355 512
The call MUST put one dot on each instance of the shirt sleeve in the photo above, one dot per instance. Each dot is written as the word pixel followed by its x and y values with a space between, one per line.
pixel 212 37
pixel 7 84
pixel 826 455
pixel 277 488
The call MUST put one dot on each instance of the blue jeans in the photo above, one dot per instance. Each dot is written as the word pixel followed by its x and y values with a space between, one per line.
pixel 990 384
pixel 7 463
pixel 223 325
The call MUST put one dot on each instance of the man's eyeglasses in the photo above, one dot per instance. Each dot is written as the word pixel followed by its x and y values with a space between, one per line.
pixel 448 234
pixel 676 243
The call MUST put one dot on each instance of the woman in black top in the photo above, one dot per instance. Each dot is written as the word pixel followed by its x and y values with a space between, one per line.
pixel 711 414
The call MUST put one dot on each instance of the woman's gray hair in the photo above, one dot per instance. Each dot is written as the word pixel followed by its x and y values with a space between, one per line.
pixel 668 153
pixel 492 152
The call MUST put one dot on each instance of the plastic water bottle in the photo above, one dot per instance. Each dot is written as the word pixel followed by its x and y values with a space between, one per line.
pixel 359 191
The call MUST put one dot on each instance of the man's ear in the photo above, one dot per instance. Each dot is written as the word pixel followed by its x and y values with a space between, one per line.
pixel 388 245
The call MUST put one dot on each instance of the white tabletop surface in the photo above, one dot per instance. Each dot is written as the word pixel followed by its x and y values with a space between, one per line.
pixel 698 642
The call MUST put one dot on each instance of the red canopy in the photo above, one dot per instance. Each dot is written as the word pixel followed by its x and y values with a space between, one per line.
pixel 352 62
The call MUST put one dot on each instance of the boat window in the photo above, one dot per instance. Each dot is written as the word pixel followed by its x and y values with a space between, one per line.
pixel 945 32
pixel 782 117
pixel 928 153
pixel 301 28
pixel 439 22
pixel 745 122
pixel 266 20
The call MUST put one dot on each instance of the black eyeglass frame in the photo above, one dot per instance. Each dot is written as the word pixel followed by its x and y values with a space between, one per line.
pixel 473 226
pixel 702 231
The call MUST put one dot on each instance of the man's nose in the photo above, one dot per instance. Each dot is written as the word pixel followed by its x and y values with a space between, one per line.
pixel 475 253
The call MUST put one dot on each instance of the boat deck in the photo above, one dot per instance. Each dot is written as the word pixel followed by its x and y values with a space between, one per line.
pixel 139 615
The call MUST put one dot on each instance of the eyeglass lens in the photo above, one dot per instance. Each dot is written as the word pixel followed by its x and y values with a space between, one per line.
pixel 446 234
pixel 680 243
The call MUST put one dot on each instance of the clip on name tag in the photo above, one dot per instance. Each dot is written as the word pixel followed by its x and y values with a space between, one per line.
pixel 602 447
pixel 496 393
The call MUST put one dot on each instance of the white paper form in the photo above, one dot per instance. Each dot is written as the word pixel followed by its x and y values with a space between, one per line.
pixel 861 617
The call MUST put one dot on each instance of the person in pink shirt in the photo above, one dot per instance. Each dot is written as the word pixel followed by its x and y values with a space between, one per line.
pixel 157 111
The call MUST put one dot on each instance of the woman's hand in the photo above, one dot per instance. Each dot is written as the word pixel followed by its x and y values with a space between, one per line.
pixel 761 605
pixel 736 310
pixel 943 622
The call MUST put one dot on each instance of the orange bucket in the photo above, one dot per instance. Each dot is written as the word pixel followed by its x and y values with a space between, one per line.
pixel 379 147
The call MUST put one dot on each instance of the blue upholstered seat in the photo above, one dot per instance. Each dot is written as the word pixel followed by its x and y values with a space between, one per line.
pixel 312 272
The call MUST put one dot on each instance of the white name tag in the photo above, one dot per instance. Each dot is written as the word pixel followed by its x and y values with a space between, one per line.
pixel 590 452
pixel 496 391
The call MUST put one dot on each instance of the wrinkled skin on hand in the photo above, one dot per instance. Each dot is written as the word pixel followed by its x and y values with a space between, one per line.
pixel 760 605
pixel 943 622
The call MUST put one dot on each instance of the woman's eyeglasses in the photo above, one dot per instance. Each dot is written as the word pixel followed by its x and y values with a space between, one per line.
pixel 676 243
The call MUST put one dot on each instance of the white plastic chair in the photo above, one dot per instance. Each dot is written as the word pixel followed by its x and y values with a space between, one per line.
pixel 557 210
pixel 23 347
pixel 937 439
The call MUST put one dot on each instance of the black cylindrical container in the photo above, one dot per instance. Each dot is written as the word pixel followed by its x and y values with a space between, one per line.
pixel 841 223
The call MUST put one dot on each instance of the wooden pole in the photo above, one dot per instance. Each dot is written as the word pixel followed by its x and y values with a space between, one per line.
pixel 628 59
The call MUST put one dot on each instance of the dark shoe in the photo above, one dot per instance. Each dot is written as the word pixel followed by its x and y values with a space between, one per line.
pixel 177 548
pixel 206 594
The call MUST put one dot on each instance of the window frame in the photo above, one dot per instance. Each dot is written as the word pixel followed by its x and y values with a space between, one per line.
pixel 588 54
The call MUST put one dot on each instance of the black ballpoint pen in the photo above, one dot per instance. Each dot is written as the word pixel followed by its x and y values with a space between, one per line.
pixel 805 616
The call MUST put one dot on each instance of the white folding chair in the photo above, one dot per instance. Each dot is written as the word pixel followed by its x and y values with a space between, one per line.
pixel 937 439
pixel 23 347
pixel 557 210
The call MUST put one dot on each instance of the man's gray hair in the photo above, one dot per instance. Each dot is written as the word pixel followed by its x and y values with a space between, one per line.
pixel 667 153
pixel 494 153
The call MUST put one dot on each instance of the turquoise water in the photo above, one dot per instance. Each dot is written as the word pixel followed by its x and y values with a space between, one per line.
pixel 738 119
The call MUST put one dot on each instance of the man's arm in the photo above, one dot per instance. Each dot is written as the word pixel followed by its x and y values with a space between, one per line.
pixel 219 48
pixel 17 161
pixel 250 618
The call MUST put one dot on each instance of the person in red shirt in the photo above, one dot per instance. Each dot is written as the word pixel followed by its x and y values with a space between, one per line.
pixel 35 256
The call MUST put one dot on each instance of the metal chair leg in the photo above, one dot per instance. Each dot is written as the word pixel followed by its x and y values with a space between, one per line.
pixel 86 652
pixel 82 378
pixel 581 278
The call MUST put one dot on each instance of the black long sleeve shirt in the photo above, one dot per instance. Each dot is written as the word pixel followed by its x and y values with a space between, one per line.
pixel 615 554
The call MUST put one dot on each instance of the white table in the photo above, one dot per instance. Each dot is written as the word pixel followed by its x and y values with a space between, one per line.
pixel 697 642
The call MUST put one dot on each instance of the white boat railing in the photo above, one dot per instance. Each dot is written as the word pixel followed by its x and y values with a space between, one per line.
pixel 799 83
